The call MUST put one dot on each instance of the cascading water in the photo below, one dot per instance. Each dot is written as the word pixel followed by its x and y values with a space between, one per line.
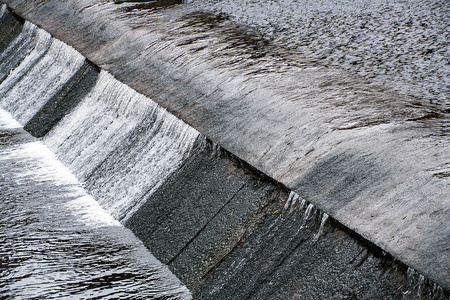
pixel 57 242
pixel 20 47
pixel 117 142
pixel 121 145
pixel 39 76
pixel 299 206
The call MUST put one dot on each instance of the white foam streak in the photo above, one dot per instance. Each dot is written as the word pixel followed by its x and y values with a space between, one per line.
pixel 7 121
pixel 321 230
pixel 97 125
pixel 122 144
pixel 294 202
pixel 308 213
pixel 91 213
pixel 39 76
pixel 2 10
pixel 43 164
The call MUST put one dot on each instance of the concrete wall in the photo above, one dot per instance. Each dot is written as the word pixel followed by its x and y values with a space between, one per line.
pixel 373 159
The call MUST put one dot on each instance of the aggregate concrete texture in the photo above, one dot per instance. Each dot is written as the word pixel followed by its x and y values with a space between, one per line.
pixel 374 158
pixel 226 233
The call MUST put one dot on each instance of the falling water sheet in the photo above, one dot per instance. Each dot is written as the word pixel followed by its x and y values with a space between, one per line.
pixel 58 243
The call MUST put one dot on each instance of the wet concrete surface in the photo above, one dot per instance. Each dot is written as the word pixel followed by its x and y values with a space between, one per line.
pixel 283 260
pixel 373 158
pixel 63 102
pixel 226 232
pixel 198 216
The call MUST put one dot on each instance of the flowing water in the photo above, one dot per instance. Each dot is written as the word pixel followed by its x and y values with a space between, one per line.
pixel 57 241
pixel 122 145
pixel 60 234
pixel 40 75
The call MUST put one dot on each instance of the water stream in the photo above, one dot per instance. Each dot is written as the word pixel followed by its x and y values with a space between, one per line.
pixel 65 192
pixel 57 241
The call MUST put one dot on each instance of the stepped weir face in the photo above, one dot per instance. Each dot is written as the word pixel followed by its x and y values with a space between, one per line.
pixel 97 177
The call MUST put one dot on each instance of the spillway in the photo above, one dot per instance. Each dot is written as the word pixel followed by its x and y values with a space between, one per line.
pixel 241 188
pixel 57 242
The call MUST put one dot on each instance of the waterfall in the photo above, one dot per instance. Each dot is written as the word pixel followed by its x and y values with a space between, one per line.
pixel 43 72
pixel 119 143
pixel 111 140
pixel 57 242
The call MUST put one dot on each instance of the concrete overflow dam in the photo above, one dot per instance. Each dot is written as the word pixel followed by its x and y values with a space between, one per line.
pixel 251 171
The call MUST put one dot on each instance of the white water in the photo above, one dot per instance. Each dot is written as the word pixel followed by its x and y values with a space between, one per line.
pixel 121 144
pixel 295 203
pixel 68 220
pixel 306 211
pixel 40 75
pixel 322 228
pixel 57 242
pixel 2 9
pixel 23 44
pixel 43 166
pixel 7 121
pixel 116 142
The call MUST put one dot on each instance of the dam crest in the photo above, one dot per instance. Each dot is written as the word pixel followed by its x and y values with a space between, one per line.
pixel 245 174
